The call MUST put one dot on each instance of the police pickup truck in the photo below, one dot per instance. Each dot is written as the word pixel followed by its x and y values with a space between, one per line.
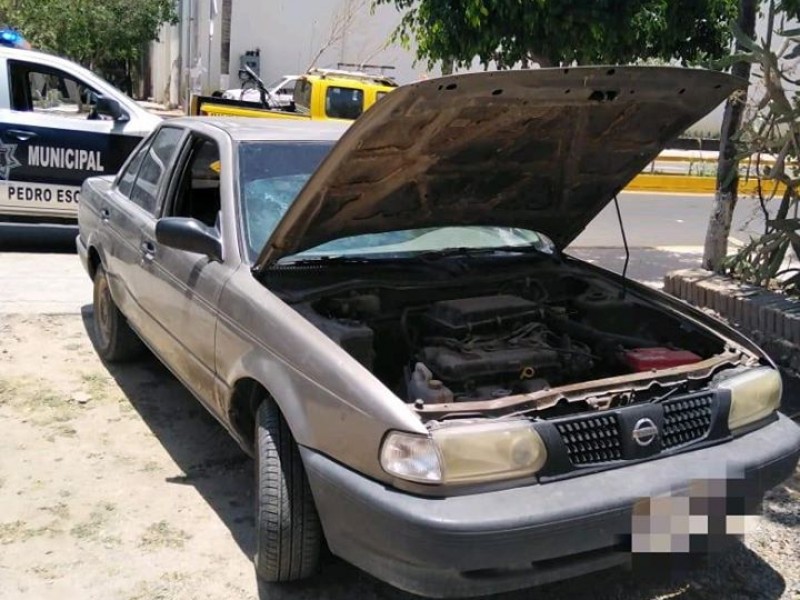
pixel 59 124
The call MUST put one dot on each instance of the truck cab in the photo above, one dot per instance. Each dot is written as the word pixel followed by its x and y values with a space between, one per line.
pixel 59 124
pixel 323 94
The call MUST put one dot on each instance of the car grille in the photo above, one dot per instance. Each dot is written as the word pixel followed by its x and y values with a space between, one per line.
pixel 598 439
pixel 593 440
pixel 686 420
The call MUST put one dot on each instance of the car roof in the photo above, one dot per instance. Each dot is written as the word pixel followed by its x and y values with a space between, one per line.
pixel 266 129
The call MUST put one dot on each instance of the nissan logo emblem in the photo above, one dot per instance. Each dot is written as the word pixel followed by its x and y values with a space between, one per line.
pixel 644 432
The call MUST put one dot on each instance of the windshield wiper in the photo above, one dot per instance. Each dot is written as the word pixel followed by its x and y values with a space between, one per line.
pixel 326 260
pixel 419 257
pixel 466 251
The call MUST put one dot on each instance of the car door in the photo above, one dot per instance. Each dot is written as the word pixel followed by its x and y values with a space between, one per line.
pixel 52 138
pixel 182 288
pixel 131 206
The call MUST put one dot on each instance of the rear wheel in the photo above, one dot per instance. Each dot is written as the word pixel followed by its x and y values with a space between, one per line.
pixel 288 533
pixel 116 341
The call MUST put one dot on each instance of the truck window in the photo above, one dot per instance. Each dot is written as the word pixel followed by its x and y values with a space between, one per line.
pixel 302 95
pixel 344 103
pixel 45 90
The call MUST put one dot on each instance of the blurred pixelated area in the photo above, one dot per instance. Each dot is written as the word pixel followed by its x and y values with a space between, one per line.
pixel 708 516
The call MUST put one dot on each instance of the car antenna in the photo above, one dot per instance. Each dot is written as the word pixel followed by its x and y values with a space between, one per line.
pixel 627 251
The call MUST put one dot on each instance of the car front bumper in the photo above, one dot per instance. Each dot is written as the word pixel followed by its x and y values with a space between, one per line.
pixel 496 541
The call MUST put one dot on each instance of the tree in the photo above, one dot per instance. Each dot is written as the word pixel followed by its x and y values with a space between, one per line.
pixel 726 195
pixel 746 52
pixel 100 34
pixel 771 134
pixel 565 31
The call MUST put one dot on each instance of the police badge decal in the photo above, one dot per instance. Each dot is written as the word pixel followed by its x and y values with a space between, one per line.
pixel 8 160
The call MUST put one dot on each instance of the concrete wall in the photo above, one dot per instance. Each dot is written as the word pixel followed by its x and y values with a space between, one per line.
pixel 290 34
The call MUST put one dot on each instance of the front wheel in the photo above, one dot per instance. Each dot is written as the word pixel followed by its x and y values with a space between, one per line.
pixel 116 341
pixel 288 533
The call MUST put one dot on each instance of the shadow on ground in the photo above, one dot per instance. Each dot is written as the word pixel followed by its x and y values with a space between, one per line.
pixel 215 466
pixel 38 238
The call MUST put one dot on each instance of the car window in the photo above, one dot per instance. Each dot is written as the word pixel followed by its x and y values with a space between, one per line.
pixel 344 103
pixel 128 175
pixel 197 194
pixel 154 166
pixel 271 174
pixel 50 91
pixel 379 95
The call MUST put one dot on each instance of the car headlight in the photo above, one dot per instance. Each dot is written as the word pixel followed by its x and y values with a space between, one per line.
pixel 464 453
pixel 755 394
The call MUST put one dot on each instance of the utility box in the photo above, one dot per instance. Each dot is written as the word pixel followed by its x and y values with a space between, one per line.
pixel 252 59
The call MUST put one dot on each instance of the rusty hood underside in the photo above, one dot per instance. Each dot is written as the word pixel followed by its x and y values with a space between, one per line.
pixel 541 149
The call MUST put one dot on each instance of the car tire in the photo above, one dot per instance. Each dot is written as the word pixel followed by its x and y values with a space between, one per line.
pixel 288 532
pixel 114 338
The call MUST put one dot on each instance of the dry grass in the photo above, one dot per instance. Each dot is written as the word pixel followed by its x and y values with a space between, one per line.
pixel 163 535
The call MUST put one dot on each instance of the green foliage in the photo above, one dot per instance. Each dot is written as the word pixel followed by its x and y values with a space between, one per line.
pixel 92 32
pixel 791 8
pixel 563 31
pixel 770 138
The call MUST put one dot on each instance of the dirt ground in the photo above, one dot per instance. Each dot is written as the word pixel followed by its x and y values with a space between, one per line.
pixel 116 484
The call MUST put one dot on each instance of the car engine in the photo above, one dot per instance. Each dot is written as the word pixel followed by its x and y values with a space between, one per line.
pixel 490 347
pixel 454 344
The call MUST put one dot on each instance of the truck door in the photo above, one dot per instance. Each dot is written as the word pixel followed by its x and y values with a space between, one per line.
pixel 51 139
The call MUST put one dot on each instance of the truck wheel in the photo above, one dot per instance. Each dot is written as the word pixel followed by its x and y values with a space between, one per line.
pixel 116 341
pixel 288 533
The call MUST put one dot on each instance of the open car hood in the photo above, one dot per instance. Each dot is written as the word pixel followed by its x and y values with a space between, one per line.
pixel 542 149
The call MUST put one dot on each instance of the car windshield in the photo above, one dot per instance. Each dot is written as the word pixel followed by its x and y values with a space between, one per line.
pixel 409 242
pixel 271 174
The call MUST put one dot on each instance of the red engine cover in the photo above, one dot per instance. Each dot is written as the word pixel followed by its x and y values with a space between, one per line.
pixel 647 359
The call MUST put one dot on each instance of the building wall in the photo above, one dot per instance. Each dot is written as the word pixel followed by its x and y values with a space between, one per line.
pixel 290 35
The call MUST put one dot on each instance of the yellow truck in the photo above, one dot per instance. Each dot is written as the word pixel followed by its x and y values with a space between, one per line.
pixel 319 94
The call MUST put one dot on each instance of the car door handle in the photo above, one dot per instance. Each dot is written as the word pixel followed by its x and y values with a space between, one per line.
pixel 105 214
pixel 148 250
pixel 21 134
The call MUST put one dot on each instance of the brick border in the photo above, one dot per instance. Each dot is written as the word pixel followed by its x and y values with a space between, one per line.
pixel 771 319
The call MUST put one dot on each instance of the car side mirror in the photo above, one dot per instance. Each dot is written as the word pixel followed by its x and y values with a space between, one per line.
pixel 110 108
pixel 183 233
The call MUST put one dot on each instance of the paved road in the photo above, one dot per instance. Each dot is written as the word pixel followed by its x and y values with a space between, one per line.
pixel 40 272
pixel 665 220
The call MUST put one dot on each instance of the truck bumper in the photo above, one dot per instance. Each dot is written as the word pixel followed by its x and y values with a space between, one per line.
pixel 497 541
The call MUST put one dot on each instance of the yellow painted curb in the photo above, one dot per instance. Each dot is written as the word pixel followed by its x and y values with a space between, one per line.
pixel 693 184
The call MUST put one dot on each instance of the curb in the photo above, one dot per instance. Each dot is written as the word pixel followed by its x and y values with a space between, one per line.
pixel 693 184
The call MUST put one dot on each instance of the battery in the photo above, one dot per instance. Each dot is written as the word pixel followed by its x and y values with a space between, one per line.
pixel 648 359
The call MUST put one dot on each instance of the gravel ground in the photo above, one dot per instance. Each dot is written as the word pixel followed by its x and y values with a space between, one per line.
pixel 115 483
